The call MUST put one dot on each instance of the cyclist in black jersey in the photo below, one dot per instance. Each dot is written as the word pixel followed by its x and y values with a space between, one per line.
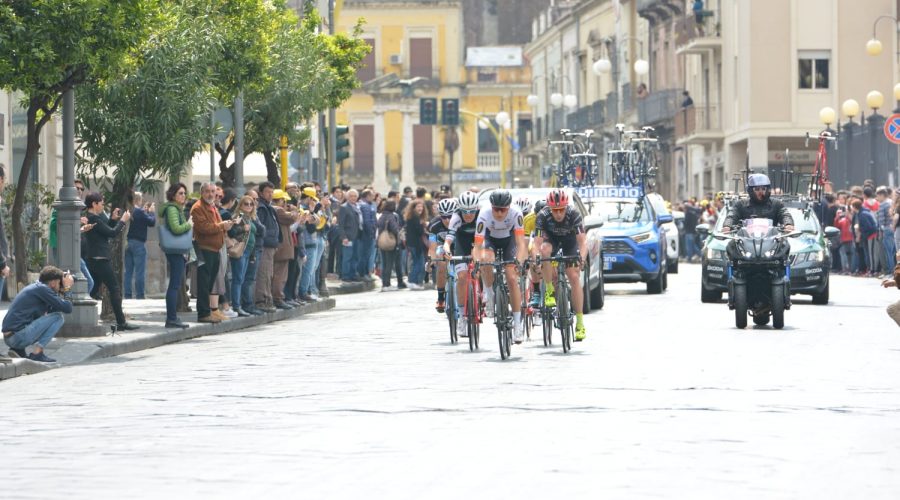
pixel 560 226
pixel 459 241
pixel 438 228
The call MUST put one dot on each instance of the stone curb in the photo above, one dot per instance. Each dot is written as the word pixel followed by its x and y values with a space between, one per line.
pixel 341 288
pixel 103 349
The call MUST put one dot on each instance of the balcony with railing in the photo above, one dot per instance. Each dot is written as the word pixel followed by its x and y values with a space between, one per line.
pixel 697 33
pixel 659 107
pixel 698 124
pixel 660 9
pixel 591 116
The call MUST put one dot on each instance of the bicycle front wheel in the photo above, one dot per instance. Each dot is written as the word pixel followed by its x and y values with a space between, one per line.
pixel 472 318
pixel 451 311
pixel 501 313
pixel 562 309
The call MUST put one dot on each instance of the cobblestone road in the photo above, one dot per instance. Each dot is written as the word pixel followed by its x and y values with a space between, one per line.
pixel 664 400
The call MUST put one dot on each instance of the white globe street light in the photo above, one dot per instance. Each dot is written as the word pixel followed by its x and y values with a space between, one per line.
pixel 502 118
pixel 874 47
pixel 601 66
pixel 850 108
pixel 874 100
pixel 532 100
pixel 827 115
pixel 556 99
pixel 570 101
pixel 507 125
pixel 483 124
pixel 641 67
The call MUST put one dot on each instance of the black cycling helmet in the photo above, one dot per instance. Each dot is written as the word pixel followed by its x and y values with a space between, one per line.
pixel 501 198
pixel 539 205
pixel 759 180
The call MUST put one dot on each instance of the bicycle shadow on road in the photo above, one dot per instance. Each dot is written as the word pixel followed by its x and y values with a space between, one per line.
pixel 559 352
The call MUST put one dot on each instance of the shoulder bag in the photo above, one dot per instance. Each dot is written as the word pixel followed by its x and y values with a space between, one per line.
pixel 170 242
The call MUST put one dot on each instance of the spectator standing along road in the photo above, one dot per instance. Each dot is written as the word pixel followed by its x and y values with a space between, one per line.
pixel 416 221
pixel 266 213
pixel 349 227
pixel 142 217
pixel 172 215
pixel 367 236
pixel 286 216
pixel 97 253
pixel 209 235
pixel 248 286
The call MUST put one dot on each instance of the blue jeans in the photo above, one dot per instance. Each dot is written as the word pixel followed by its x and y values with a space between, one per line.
pixel 846 256
pixel 890 251
pixel 135 268
pixel 690 246
pixel 404 262
pixel 348 261
pixel 319 276
pixel 238 271
pixel 310 268
pixel 87 275
pixel 176 278
pixel 366 254
pixel 248 286
pixel 40 332
pixel 417 266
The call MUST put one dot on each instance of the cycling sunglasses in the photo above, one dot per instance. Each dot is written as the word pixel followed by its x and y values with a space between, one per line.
pixel 470 212
pixel 500 209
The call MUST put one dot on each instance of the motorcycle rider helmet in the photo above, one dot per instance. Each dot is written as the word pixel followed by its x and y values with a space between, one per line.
pixel 501 198
pixel 468 201
pixel 557 199
pixel 524 204
pixel 447 207
pixel 758 180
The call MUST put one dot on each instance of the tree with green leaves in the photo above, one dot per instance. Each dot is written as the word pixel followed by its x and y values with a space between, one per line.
pixel 48 47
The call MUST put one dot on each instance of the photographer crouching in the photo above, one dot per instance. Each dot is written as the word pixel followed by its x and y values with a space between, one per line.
pixel 36 314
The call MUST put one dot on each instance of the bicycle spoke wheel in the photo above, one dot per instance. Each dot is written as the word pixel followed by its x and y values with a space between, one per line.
pixel 472 318
pixel 562 310
pixel 451 311
pixel 501 315
pixel 547 324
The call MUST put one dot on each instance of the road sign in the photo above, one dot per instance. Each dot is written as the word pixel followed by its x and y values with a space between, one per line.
pixel 892 128
pixel 224 123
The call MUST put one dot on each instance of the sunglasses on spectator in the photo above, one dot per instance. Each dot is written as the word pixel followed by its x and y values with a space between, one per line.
pixel 247 203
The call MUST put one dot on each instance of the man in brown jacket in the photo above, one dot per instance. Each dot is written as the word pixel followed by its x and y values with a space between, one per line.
pixel 209 236
pixel 286 215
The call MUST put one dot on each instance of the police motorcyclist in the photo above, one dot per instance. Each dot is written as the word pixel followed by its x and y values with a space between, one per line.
pixel 759 206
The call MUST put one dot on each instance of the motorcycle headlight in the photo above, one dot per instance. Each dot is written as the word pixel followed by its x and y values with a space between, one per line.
pixel 640 238
pixel 748 255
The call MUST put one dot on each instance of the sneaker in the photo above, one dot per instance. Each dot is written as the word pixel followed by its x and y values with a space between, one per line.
pixel 461 328
pixel 209 319
pixel 389 289
pixel 518 332
pixel 219 316
pixel 416 286
pixel 176 324
pixel 126 326
pixel 230 313
pixel 580 334
pixel 267 308
pixel 17 353
pixel 283 306
pixel 314 296
pixel 439 306
pixel 549 299
pixel 309 298
pixel 242 313
pixel 535 300
pixel 402 286
pixel 41 357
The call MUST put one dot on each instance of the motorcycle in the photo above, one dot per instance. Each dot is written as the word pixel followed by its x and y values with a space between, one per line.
pixel 758 272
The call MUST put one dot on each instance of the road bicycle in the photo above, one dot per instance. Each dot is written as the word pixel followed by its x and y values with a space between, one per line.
pixel 527 309
pixel 473 308
pixel 563 317
pixel 503 317
pixel 450 308
pixel 820 171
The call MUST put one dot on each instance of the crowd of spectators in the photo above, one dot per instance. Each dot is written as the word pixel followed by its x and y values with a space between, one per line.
pixel 247 255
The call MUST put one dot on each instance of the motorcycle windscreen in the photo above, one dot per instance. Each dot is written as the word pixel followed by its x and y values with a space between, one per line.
pixel 758 228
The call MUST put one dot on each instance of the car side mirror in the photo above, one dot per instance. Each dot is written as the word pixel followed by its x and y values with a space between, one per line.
pixel 664 219
pixel 703 230
pixel 593 222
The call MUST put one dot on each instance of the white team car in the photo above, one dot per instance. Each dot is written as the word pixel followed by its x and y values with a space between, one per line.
pixel 672 234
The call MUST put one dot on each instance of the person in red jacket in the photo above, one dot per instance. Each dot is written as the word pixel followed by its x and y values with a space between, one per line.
pixel 842 222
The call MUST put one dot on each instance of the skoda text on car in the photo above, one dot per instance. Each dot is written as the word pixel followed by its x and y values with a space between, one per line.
pixel 593 266
pixel 810 257
pixel 634 241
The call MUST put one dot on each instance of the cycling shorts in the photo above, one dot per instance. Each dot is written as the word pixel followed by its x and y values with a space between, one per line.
pixel 506 245
pixel 568 244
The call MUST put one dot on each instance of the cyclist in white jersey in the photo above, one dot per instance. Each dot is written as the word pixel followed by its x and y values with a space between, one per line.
pixel 499 228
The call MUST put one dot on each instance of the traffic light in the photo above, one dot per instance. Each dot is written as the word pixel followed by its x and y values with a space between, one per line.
pixel 450 112
pixel 428 111
pixel 342 144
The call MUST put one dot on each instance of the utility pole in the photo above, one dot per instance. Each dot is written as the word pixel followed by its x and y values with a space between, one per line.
pixel 332 113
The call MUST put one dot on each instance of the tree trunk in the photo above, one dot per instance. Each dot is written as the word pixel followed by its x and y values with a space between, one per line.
pixel 273 173
pixel 117 247
pixel 33 130
pixel 226 171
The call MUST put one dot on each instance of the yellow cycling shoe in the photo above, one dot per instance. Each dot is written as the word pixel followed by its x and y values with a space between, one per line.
pixel 580 334
pixel 549 299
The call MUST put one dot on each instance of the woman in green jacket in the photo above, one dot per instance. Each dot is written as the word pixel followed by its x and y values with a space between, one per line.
pixel 172 215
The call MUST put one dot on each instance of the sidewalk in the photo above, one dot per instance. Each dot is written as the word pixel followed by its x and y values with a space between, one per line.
pixel 150 314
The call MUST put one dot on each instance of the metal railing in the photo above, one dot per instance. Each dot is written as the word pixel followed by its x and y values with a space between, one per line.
pixel 659 106
pixel 488 160
pixel 696 119
pixel 706 24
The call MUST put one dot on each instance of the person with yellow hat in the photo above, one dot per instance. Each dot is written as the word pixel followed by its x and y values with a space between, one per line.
pixel 313 241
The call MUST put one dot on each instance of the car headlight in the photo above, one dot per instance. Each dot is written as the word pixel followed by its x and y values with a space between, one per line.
pixel 809 257
pixel 640 238
pixel 715 254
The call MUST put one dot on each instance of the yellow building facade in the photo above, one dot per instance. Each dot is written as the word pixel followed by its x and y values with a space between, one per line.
pixel 418 51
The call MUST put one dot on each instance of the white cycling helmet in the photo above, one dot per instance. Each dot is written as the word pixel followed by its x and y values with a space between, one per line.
pixel 524 204
pixel 447 207
pixel 468 201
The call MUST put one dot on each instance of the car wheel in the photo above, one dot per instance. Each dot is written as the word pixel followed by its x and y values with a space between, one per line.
pixel 655 286
pixel 673 266
pixel 586 288
pixel 709 296
pixel 821 298
pixel 598 295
